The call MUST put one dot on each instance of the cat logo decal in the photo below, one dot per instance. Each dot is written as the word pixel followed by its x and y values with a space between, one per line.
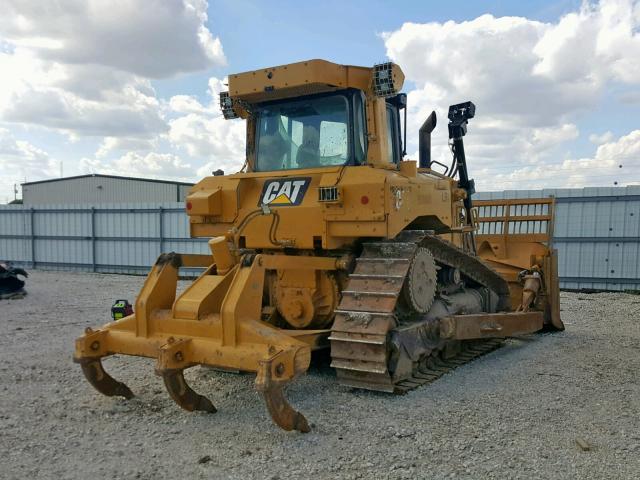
pixel 284 192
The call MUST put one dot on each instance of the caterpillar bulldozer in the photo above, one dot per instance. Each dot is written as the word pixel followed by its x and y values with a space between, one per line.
pixel 330 238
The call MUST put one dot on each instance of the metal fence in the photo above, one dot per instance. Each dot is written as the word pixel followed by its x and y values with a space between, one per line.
pixel 597 234
pixel 123 238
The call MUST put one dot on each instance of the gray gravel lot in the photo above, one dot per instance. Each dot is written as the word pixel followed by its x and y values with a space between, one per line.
pixel 515 413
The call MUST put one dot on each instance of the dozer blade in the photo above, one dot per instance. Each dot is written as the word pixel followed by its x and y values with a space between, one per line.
pixel 515 237
pixel 281 411
pixel 101 380
pixel 183 394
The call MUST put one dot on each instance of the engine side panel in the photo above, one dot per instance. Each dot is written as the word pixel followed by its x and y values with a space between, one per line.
pixel 329 207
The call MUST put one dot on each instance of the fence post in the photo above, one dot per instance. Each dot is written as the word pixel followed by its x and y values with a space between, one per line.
pixel 93 239
pixel 161 228
pixel 32 233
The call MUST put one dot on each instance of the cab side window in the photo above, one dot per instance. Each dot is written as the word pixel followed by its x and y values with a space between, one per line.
pixel 392 135
pixel 360 127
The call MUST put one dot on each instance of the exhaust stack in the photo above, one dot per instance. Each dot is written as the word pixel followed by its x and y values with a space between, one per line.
pixel 424 138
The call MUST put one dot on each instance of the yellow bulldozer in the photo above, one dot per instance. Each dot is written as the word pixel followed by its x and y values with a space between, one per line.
pixel 329 238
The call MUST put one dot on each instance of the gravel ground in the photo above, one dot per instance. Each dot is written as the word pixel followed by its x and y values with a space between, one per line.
pixel 514 413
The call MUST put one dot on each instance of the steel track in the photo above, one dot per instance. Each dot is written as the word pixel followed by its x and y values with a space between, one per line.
pixel 368 314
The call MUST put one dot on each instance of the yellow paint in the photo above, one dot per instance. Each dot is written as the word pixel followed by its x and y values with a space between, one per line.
pixel 231 315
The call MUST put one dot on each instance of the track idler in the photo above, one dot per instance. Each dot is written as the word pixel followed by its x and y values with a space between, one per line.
pixel 272 389
pixel 101 380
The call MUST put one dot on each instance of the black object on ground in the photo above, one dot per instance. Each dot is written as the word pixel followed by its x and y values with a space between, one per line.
pixel 10 285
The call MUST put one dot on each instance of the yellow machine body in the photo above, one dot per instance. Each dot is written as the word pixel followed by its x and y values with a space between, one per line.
pixel 283 248
pixel 370 202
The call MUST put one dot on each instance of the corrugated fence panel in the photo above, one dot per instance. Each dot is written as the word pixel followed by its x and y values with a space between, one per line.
pixel 49 251
pixel 15 225
pixel 114 238
pixel 187 247
pixel 596 232
pixel 143 223
pixel 176 223
pixel 123 252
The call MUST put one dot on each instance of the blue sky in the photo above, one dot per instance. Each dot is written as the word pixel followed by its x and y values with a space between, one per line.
pixel 345 31
pixel 256 33
pixel 98 86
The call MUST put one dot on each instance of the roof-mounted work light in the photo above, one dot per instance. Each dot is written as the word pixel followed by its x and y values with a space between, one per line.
pixel 385 82
pixel 226 105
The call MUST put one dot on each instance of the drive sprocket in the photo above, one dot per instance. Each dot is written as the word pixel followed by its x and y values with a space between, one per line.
pixel 419 289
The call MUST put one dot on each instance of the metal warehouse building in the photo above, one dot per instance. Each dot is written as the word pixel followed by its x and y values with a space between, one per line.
pixel 97 189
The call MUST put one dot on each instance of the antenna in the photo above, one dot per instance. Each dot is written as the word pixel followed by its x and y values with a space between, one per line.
pixel 61 168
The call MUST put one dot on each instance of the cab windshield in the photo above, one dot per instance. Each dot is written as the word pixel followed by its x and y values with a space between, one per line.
pixel 309 133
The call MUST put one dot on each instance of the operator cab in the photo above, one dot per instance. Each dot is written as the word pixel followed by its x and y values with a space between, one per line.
pixel 309 132
pixel 321 130
pixel 317 114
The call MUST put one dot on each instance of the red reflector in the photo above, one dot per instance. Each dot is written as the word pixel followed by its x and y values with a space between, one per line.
pixel 364 199
pixel 188 205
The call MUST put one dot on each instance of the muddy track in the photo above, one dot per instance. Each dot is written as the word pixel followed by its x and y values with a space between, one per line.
pixel 370 312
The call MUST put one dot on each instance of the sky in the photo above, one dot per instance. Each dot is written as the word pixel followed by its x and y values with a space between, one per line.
pixel 131 87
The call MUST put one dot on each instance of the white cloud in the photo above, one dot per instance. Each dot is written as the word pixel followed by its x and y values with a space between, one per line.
pixel 199 130
pixel 84 67
pixel 20 161
pixel 148 38
pixel 216 86
pixel 152 165
pixel 614 163
pixel 115 144
pixel 203 133
pixel 210 137
pixel 126 112
pixel 597 43
pixel 602 138
pixel 623 152
pixel 186 104
pixel 550 136
pixel 530 80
